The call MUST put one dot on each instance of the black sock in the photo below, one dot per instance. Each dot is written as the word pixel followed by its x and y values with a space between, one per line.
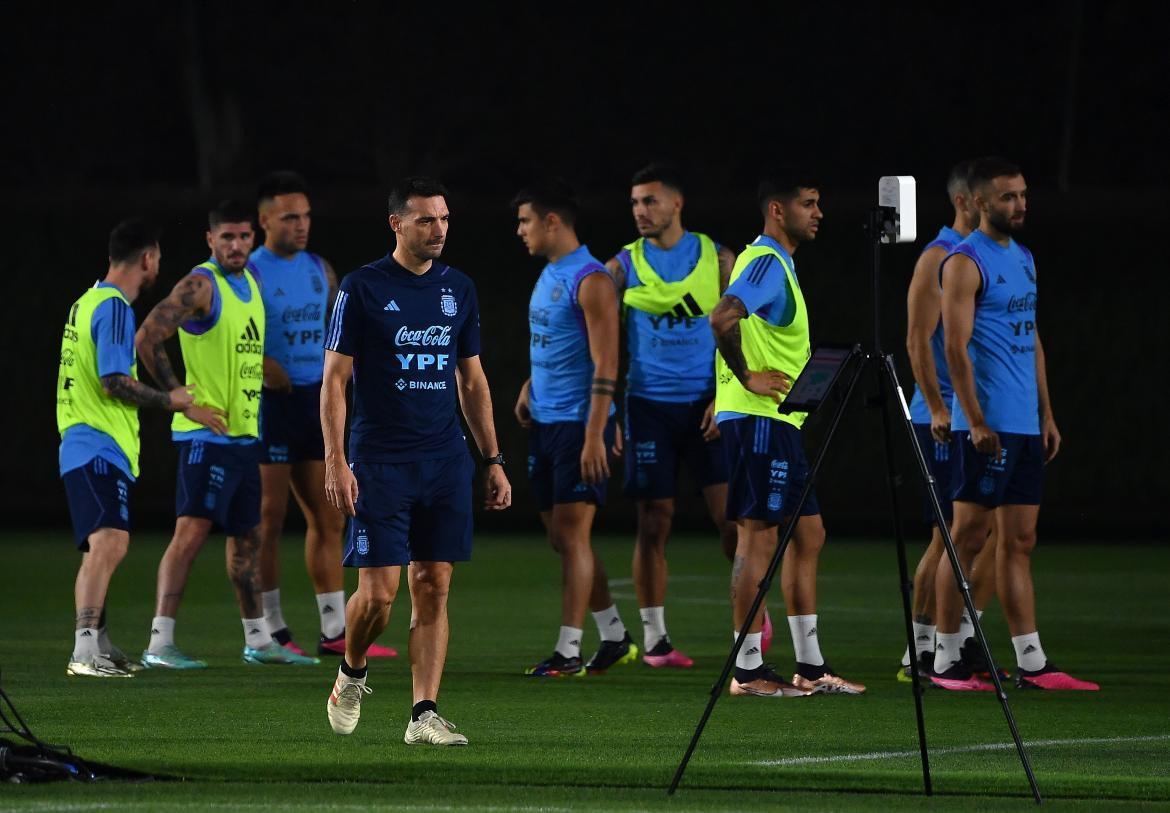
pixel 748 675
pixel 810 672
pixel 420 707
pixel 349 671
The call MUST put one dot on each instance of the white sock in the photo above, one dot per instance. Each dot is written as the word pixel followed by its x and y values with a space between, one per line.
pixel 804 639
pixel 966 627
pixel 751 654
pixel 653 625
pixel 273 617
pixel 569 642
pixel 1029 652
pixel 162 633
pixel 85 643
pixel 609 624
pixel 256 634
pixel 946 651
pixel 331 609
pixel 906 657
pixel 103 640
pixel 923 638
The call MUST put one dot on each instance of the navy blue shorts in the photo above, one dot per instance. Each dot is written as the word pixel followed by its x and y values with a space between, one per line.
pixel 939 459
pixel 1015 478
pixel 99 497
pixel 767 469
pixel 659 436
pixel 219 482
pixel 290 425
pixel 411 512
pixel 554 463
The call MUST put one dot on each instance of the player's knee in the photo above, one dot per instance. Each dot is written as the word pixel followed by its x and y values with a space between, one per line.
pixel 654 519
pixel 427 589
pixel 1021 544
pixel 109 547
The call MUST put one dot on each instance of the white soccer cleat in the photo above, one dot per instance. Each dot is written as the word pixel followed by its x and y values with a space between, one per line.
pixel 431 729
pixel 345 703
pixel 96 666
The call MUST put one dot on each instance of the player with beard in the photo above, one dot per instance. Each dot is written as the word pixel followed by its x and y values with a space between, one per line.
pixel 219 315
pixel 297 286
pixel 98 396
pixel 1003 422
pixel 669 278
pixel 930 413
pixel 405 330
pixel 761 328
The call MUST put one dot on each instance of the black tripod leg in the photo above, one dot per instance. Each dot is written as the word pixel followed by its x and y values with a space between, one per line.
pixel 859 363
pixel 964 588
pixel 904 579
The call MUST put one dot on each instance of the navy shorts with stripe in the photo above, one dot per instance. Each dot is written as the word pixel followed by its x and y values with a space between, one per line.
pixel 99 497
pixel 419 511
pixel 554 463
pixel 220 482
pixel 940 460
pixel 766 469
pixel 661 435
pixel 290 425
pixel 1016 477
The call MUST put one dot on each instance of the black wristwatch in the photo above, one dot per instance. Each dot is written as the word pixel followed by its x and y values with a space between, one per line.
pixel 498 460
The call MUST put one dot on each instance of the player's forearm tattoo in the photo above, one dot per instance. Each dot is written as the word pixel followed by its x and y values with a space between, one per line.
pixel 725 321
pixel 604 386
pixel 89 617
pixel 244 571
pixel 125 388
pixel 162 322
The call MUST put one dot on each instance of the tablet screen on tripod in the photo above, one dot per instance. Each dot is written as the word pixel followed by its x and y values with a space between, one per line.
pixel 817 378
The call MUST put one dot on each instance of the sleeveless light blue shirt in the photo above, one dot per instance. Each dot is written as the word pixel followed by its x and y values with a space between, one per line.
pixel 947 238
pixel 295 292
pixel 1003 338
pixel 562 369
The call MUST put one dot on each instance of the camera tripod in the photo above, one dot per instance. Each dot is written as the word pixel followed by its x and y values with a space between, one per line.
pixel 880 228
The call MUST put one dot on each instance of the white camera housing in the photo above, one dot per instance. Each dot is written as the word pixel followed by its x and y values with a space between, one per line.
pixel 897 192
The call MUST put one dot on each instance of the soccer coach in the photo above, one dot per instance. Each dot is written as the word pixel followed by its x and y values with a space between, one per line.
pixel 405 328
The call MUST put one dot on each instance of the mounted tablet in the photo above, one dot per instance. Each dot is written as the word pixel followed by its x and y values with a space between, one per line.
pixel 818 377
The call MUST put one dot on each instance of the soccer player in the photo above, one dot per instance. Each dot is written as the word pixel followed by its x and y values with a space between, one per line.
pixel 567 406
pixel 219 315
pixel 761 328
pixel 670 278
pixel 296 286
pixel 405 329
pixel 1003 422
pixel 98 395
pixel 931 415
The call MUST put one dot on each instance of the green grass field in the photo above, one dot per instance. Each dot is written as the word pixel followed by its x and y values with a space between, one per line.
pixel 251 738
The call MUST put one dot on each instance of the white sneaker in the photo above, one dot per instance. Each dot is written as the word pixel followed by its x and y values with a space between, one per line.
pixel 431 729
pixel 345 703
pixel 96 666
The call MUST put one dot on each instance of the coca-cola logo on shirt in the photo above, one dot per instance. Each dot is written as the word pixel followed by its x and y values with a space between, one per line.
pixel 433 336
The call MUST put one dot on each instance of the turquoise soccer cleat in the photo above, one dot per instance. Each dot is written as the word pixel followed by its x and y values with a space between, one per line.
pixel 169 657
pixel 275 653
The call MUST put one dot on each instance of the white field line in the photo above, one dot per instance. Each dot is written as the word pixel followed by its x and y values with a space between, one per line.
pixel 960 749
pixel 356 807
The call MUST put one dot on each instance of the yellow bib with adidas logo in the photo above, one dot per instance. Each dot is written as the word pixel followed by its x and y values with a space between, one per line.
pixel 226 363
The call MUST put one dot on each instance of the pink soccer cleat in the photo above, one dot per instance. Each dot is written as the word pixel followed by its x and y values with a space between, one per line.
pixel 336 646
pixel 664 655
pixel 959 678
pixel 296 650
pixel 1054 680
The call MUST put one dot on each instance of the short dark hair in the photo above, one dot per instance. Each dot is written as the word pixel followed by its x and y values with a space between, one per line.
pixel 280 182
pixel 663 173
pixel 550 195
pixel 957 180
pixel 416 186
pixel 131 237
pixel 985 170
pixel 231 210
pixel 782 184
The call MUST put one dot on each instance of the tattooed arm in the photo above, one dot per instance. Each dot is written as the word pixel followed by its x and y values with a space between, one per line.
pixel 725 319
pixel 127 389
pixel 190 299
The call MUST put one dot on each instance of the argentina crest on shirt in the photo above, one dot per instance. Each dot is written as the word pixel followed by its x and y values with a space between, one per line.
pixel 447 303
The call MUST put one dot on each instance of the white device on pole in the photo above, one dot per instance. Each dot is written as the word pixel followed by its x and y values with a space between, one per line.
pixel 897 192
